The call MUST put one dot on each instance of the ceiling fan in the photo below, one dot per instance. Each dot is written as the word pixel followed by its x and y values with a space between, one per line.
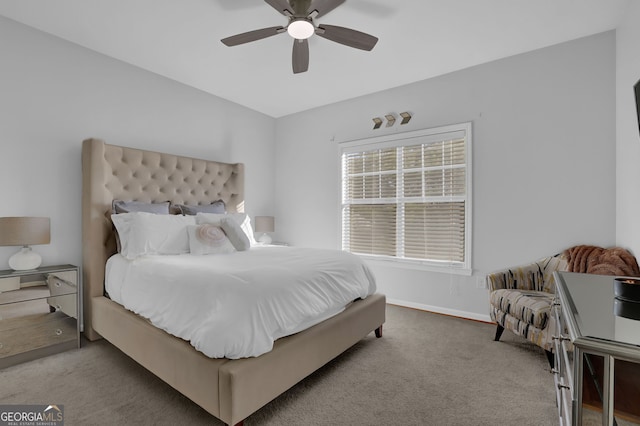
pixel 301 26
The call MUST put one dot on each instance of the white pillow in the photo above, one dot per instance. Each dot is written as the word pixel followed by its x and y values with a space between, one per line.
pixel 235 233
pixel 242 218
pixel 122 222
pixel 147 233
pixel 208 239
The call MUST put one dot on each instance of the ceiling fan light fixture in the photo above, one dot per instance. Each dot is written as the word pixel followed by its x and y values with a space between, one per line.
pixel 301 29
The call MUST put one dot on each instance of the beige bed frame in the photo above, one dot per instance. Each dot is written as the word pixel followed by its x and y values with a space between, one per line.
pixel 231 390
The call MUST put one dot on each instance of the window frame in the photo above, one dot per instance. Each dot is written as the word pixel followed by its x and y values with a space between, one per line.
pixel 411 138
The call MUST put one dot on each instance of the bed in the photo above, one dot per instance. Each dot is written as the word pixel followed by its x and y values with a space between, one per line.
pixel 229 389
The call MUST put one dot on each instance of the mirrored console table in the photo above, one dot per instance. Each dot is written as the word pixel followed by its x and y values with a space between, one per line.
pixel 597 353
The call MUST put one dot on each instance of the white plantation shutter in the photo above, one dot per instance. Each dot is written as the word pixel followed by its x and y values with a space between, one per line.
pixel 408 196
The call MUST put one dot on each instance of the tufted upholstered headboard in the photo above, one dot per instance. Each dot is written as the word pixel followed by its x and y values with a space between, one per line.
pixel 111 172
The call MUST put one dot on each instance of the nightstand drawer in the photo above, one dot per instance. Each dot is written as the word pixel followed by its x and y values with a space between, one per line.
pixel 11 313
pixel 66 303
pixel 62 283
pixel 24 294
pixel 9 284
pixel 20 335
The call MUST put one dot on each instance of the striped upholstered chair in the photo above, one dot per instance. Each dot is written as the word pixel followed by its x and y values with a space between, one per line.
pixel 521 297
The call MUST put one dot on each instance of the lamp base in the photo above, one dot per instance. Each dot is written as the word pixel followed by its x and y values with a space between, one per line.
pixel 25 260
pixel 264 239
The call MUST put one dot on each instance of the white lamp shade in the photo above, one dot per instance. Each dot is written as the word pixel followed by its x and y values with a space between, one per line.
pixel 24 231
pixel 265 224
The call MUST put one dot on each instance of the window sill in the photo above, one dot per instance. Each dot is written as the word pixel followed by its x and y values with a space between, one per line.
pixel 416 265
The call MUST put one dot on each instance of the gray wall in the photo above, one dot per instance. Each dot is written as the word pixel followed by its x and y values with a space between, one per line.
pixel 543 163
pixel 543 154
pixel 627 132
pixel 54 94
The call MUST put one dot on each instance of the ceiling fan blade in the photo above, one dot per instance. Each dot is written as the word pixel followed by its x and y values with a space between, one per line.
pixel 347 36
pixel 300 56
pixel 252 36
pixel 324 6
pixel 279 5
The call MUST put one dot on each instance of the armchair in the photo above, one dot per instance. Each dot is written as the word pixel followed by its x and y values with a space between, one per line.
pixel 521 297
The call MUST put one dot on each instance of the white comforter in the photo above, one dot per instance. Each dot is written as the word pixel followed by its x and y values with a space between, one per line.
pixel 236 305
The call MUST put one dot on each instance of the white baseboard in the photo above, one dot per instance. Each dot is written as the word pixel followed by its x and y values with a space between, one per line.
pixel 440 310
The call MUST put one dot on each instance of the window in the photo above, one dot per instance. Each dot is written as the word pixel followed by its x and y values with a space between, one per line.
pixel 408 196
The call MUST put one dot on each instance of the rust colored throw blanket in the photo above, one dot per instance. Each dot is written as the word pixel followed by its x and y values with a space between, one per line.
pixel 602 261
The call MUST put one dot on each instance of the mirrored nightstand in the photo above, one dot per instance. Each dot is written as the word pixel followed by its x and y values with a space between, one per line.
pixel 38 313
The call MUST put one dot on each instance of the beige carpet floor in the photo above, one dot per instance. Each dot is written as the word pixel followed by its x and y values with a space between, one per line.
pixel 427 369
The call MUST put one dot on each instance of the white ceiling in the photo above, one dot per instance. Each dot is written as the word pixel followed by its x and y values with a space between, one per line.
pixel 419 39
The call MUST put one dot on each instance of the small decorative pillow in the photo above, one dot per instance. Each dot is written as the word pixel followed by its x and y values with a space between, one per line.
pixel 208 239
pixel 215 207
pixel 235 233
pixel 245 223
pixel 241 218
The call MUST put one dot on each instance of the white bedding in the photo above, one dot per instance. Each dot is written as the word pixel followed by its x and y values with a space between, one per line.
pixel 236 305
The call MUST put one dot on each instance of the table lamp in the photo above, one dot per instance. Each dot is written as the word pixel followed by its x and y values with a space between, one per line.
pixel 24 231
pixel 265 224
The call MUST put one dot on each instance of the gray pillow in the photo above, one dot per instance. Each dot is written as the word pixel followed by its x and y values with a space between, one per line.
pixel 215 207
pixel 234 232
pixel 119 206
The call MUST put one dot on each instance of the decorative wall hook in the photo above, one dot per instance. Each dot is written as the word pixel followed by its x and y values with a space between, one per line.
pixel 378 123
pixel 406 116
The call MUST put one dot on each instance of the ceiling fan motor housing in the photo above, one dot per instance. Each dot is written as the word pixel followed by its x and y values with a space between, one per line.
pixel 300 7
